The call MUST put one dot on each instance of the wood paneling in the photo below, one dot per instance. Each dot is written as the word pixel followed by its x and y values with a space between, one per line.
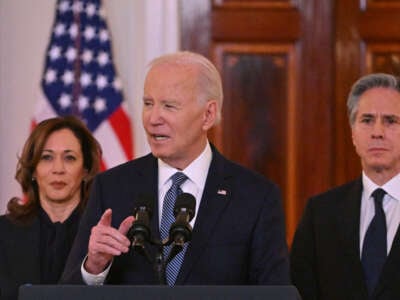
pixel 196 26
pixel 367 40
pixel 254 24
pixel 276 62
pixel 349 49
pixel 385 4
pixel 374 22
pixel 259 85
pixel 287 68
pixel 383 58
pixel 256 3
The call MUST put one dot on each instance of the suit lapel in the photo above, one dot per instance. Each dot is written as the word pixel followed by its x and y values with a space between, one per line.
pixel 215 198
pixel 24 248
pixel 348 220
pixel 148 173
pixel 350 228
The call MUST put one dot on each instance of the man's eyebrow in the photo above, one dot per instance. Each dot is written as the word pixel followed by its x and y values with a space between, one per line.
pixel 367 115
pixel 393 116
pixel 169 100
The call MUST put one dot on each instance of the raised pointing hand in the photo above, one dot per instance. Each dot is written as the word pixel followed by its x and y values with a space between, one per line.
pixel 105 242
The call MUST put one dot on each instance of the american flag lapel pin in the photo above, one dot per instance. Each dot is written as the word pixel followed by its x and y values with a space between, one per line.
pixel 221 192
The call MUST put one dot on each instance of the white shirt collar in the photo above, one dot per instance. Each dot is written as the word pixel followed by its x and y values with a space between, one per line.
pixel 392 187
pixel 196 171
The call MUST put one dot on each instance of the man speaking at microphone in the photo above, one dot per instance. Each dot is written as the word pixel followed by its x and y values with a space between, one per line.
pixel 238 235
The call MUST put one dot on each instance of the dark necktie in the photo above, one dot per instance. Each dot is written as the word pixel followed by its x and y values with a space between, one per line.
pixel 167 219
pixel 374 250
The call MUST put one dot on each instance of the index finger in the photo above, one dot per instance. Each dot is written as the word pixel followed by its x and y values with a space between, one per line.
pixel 126 224
pixel 106 218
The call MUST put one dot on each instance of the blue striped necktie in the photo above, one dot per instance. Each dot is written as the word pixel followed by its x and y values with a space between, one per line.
pixel 167 219
pixel 374 250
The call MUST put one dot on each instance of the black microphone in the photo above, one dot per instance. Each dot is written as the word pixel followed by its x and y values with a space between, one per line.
pixel 139 232
pixel 184 211
pixel 185 207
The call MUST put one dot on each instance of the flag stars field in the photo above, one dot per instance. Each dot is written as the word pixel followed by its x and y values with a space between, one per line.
pixel 73 31
pixel 103 35
pixel 117 84
pixel 85 79
pixel 101 82
pixel 77 7
pixel 55 52
pixel 99 105
pixel 63 6
pixel 102 58
pixel 65 101
pixel 68 77
pixel 83 103
pixel 87 56
pixel 89 33
pixel 70 54
pixel 91 10
pixel 50 76
pixel 59 29
pixel 79 78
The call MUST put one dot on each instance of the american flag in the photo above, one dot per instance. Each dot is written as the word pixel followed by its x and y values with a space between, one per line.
pixel 79 78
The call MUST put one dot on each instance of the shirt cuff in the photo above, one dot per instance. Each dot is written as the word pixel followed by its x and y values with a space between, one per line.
pixel 92 279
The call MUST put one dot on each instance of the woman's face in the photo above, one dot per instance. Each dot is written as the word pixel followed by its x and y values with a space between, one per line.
pixel 60 170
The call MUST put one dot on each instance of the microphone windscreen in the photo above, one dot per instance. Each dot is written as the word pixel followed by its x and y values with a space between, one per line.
pixel 145 200
pixel 185 201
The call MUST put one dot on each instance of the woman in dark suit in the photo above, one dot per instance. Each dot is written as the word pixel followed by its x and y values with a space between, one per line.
pixel 55 171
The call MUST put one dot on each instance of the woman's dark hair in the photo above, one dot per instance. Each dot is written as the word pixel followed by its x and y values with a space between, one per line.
pixel 23 210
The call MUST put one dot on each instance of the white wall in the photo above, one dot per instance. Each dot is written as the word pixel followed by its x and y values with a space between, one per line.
pixel 141 30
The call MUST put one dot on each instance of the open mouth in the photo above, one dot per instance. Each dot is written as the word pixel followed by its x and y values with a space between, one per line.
pixel 159 137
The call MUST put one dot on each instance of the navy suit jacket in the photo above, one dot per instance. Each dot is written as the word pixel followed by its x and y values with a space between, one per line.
pixel 19 256
pixel 238 237
pixel 325 255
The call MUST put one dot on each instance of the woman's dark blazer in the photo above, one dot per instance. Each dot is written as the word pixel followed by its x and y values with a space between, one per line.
pixel 19 256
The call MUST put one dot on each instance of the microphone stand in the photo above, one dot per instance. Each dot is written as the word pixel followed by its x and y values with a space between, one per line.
pixel 180 232
pixel 159 262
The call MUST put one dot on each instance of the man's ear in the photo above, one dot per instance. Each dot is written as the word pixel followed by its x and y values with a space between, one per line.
pixel 210 114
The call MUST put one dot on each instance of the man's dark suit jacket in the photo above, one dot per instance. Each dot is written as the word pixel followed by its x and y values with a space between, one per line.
pixel 325 254
pixel 19 256
pixel 238 237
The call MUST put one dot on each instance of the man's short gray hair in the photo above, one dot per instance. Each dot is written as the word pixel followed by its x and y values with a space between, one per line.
pixel 366 83
pixel 209 81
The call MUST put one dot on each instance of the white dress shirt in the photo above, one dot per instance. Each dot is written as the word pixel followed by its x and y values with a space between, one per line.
pixel 391 207
pixel 196 172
